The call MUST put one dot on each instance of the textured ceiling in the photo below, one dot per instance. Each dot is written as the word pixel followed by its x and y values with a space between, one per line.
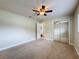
pixel 25 7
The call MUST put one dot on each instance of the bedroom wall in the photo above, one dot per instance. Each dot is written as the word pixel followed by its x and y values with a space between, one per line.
pixel 76 33
pixel 15 30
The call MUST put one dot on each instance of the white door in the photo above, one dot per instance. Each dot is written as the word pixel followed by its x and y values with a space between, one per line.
pixel 39 30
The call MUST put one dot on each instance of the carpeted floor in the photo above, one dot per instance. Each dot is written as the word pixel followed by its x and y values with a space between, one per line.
pixel 40 49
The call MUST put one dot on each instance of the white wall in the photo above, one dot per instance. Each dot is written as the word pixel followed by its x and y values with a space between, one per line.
pixel 15 30
pixel 76 33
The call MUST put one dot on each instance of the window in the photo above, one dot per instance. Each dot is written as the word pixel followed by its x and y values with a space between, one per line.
pixel 78 23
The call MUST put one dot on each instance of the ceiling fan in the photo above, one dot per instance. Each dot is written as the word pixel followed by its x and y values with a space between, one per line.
pixel 42 11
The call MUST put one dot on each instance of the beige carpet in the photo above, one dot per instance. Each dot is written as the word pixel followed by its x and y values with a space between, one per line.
pixel 40 49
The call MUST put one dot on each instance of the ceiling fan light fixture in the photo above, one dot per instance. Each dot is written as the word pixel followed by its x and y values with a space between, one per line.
pixel 42 13
pixel 42 10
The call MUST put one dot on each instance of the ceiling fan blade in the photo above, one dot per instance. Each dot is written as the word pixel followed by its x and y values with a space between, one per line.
pixel 38 14
pixel 48 11
pixel 45 14
pixel 35 10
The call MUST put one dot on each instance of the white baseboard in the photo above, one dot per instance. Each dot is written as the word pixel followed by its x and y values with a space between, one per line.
pixel 77 51
pixel 71 44
pixel 75 48
pixel 11 46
